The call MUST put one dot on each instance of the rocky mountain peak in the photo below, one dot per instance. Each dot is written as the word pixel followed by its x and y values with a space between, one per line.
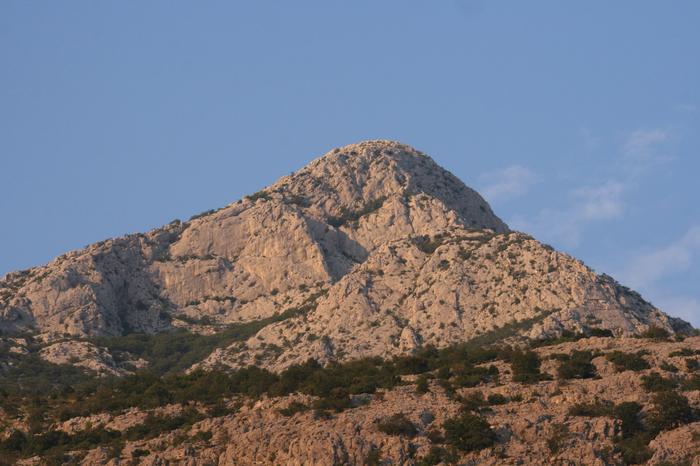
pixel 350 178
pixel 371 249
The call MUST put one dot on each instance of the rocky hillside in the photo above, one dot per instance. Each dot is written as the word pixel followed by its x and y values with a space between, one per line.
pixel 593 401
pixel 367 309
pixel 370 250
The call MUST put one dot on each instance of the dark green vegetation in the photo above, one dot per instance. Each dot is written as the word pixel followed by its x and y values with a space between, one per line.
pixel 669 410
pixel 349 216
pixel 398 424
pixel 469 432
pixel 656 333
pixel 627 361
pixel 655 382
pixel 45 393
pixel 264 195
pixel 53 444
pixel 172 352
pixel 576 365
pixel 525 366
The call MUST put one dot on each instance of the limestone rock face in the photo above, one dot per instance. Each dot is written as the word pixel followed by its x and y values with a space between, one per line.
pixel 392 251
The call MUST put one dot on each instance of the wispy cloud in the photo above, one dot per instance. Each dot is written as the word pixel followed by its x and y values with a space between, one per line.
pixel 643 142
pixel 648 268
pixel 642 150
pixel 648 271
pixel 639 152
pixel 511 182
pixel 601 202
pixel 587 204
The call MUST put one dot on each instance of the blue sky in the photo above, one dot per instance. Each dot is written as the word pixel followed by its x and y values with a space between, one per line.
pixel 578 121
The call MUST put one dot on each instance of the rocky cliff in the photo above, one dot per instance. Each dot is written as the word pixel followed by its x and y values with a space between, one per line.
pixel 367 309
pixel 376 248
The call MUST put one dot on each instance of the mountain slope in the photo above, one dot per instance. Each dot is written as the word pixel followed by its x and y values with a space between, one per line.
pixel 375 248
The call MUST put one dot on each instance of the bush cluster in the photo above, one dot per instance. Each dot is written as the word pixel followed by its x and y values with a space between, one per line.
pixel 398 424
pixel 347 216
pixel 627 361
pixel 576 365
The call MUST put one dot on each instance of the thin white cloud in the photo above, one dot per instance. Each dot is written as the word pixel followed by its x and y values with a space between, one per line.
pixel 648 268
pixel 642 142
pixel 639 153
pixel 646 272
pixel 643 150
pixel 511 182
pixel 588 204
pixel 600 202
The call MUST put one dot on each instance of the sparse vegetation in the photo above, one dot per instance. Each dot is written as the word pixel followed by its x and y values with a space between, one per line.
pixel 577 365
pixel 596 409
pixel 348 216
pixel 469 432
pixel 656 333
pixel 264 195
pixel 427 244
pixel 398 424
pixel 525 366
pixel 655 382
pixel 627 361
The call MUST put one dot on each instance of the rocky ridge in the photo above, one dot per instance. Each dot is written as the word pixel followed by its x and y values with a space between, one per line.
pixel 381 250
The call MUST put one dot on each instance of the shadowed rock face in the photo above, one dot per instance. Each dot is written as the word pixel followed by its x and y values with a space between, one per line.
pixel 399 250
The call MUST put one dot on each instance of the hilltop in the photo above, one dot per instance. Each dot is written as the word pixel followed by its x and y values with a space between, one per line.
pixel 370 283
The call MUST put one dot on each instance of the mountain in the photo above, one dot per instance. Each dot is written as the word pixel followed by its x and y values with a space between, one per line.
pixel 382 249
pixel 358 272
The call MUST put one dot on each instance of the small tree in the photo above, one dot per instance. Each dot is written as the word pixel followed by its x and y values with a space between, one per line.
pixel 627 361
pixel 469 432
pixel 671 409
pixel 525 366
pixel 398 424
pixel 578 365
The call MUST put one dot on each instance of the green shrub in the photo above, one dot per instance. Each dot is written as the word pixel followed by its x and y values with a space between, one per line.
pixel 560 432
pixel 346 216
pixel 473 402
pixel 692 383
pixel 427 244
pixel 683 352
pixel 259 195
pixel 497 399
pixel 525 366
pixel 668 367
pixel 692 365
pixel 577 365
pixel 656 333
pixel 469 432
pixel 629 415
pixel 398 424
pixel 597 409
pixel 601 332
pixel 373 457
pixel 654 382
pixel 436 455
pixel 671 409
pixel 337 400
pixel 627 361
pixel 422 385
pixel 293 408
pixel 634 450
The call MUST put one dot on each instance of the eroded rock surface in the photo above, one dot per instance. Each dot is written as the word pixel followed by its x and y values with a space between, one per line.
pixel 400 251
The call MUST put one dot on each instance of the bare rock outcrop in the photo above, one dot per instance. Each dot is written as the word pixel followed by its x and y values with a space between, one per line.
pixel 404 253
